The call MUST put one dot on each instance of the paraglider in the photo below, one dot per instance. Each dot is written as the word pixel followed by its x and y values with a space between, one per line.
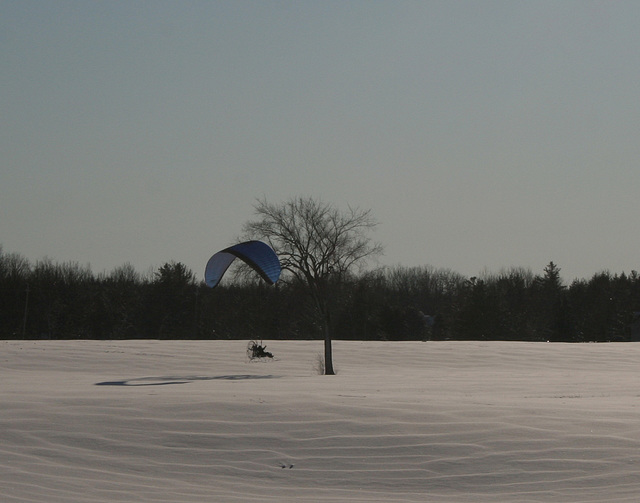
pixel 257 254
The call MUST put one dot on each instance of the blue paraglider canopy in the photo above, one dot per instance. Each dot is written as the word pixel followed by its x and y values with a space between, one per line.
pixel 257 254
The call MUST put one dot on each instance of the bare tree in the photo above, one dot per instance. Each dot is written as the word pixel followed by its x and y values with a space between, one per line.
pixel 319 246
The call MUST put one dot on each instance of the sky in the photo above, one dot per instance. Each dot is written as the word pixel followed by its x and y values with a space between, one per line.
pixel 482 135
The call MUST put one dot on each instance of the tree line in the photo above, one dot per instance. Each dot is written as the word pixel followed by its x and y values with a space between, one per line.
pixel 68 301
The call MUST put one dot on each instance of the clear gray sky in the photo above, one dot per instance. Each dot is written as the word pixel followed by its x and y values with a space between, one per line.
pixel 482 134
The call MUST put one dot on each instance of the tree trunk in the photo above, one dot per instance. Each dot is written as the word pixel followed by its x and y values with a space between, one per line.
pixel 328 353
pixel 328 357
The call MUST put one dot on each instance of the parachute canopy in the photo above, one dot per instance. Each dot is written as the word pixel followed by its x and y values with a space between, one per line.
pixel 257 254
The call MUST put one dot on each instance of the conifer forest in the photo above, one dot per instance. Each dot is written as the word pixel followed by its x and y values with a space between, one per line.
pixel 48 300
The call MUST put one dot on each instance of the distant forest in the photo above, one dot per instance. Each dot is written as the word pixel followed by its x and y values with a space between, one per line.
pixel 48 300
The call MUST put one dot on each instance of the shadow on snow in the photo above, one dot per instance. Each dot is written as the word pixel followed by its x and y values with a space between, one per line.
pixel 163 381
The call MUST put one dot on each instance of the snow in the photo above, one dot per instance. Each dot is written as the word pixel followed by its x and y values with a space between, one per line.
pixel 196 421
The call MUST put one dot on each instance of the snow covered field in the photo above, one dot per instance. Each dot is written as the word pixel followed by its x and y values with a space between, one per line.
pixel 195 421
